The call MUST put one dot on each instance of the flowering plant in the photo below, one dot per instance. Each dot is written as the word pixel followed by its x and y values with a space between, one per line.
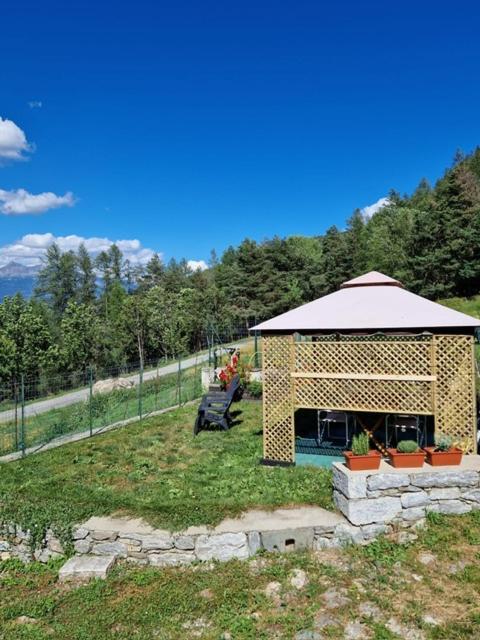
pixel 226 375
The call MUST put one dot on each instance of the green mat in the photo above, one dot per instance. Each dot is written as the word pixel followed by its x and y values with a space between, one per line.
pixel 316 459
pixel 309 452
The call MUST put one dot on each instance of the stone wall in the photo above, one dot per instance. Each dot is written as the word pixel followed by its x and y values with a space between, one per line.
pixel 135 541
pixel 17 543
pixel 370 503
pixel 399 498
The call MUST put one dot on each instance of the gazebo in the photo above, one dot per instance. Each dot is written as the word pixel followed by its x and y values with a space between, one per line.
pixel 372 346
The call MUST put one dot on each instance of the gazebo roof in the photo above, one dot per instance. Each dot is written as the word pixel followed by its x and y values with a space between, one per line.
pixel 372 301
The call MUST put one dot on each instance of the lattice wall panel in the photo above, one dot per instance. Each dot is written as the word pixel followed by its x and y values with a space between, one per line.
pixel 278 425
pixel 455 411
pixel 390 396
pixel 377 358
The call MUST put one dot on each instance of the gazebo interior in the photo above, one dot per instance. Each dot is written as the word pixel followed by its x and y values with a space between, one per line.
pixel 370 357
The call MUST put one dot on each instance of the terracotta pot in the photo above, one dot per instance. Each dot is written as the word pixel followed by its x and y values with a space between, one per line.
pixel 363 463
pixel 443 458
pixel 406 460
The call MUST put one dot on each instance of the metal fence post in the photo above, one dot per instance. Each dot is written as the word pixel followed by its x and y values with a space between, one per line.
pixel 90 400
pixel 140 392
pixel 22 414
pixel 15 391
pixel 179 381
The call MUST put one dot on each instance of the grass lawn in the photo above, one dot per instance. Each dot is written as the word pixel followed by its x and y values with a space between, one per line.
pixel 156 469
pixel 385 588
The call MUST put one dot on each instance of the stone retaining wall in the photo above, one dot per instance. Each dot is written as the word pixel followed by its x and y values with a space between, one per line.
pixel 399 498
pixel 370 503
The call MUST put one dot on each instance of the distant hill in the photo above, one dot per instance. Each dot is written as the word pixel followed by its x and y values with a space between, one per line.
pixel 17 278
pixel 17 270
pixel 470 306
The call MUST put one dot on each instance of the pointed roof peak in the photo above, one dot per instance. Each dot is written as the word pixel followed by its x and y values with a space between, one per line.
pixel 372 279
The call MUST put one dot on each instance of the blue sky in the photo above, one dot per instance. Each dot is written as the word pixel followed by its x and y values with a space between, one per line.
pixel 190 125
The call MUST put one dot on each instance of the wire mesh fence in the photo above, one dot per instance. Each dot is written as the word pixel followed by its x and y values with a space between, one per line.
pixel 36 411
pixel 27 424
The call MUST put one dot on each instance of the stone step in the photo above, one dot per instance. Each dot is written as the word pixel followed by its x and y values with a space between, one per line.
pixel 83 568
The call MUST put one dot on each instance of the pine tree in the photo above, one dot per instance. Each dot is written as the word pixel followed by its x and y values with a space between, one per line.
pixel 86 276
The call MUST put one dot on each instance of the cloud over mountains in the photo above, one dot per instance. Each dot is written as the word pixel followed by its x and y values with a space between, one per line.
pixel 31 248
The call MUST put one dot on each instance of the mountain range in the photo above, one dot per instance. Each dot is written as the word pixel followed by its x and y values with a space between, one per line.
pixel 17 278
pixel 17 270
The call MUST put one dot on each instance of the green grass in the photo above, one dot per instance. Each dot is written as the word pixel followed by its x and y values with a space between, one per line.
pixel 156 469
pixel 209 601
pixel 470 306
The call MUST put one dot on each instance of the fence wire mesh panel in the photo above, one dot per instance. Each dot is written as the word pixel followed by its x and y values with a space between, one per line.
pixel 278 424
pixel 35 412
pixel 28 423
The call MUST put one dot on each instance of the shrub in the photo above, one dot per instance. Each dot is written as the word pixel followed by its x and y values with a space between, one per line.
pixel 255 388
pixel 407 446
pixel 361 444
pixel 443 443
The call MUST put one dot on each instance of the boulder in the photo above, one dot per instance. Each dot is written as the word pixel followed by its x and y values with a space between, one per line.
pixel 112 384
pixel 86 567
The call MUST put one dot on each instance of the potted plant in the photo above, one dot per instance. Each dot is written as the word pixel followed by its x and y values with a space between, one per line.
pixel 361 457
pixel 407 454
pixel 444 452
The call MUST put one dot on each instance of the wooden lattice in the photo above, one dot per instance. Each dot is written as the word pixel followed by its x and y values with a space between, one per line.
pixel 385 396
pixel 455 411
pixel 278 425
pixel 429 376
pixel 382 358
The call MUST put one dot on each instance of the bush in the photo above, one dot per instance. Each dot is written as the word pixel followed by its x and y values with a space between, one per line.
pixel 443 443
pixel 407 446
pixel 255 388
pixel 361 444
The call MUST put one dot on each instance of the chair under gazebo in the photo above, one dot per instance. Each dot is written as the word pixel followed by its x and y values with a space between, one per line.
pixel 372 347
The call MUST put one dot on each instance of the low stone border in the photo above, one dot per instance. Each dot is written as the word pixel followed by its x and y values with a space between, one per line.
pixel 136 541
pixel 393 497
pixel 371 503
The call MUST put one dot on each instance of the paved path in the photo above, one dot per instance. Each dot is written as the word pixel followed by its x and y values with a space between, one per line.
pixel 34 408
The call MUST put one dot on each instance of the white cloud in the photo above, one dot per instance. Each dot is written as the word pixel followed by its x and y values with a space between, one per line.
pixel 368 212
pixel 35 104
pixel 197 264
pixel 21 202
pixel 13 141
pixel 31 248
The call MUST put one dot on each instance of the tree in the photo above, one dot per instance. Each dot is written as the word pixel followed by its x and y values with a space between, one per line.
pixel 79 336
pixel 356 244
pixel 336 261
pixel 57 280
pixel 86 276
pixel 26 338
pixel 153 274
